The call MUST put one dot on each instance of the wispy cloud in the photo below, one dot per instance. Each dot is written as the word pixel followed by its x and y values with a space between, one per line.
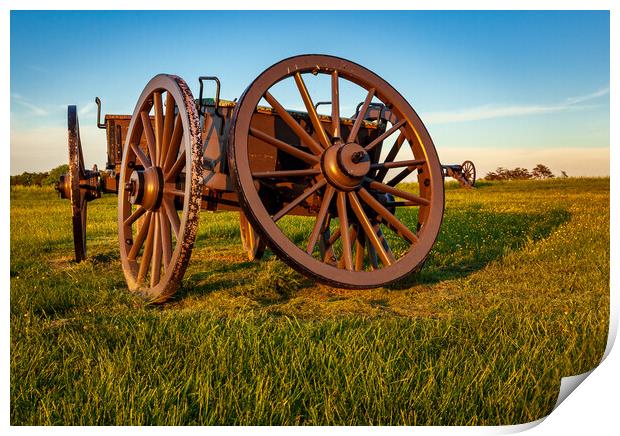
pixel 591 96
pixel 494 111
pixel 35 109
pixel 87 108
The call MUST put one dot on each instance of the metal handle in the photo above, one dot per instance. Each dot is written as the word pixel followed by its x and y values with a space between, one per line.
pixel 381 106
pixel 217 93
pixel 99 124
pixel 319 103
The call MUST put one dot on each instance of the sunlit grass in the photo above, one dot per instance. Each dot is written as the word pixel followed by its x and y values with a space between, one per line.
pixel 514 295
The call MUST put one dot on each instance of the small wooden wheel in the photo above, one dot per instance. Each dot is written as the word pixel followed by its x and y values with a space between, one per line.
pixel 159 188
pixel 78 196
pixel 359 229
pixel 79 185
pixel 469 172
pixel 252 243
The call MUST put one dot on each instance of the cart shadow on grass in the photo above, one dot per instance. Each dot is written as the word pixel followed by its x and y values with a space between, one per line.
pixel 469 240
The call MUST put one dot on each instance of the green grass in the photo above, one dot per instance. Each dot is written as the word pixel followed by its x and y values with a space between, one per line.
pixel 514 296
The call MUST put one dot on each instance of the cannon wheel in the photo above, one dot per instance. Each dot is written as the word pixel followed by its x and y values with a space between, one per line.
pixel 159 188
pixel 469 172
pixel 253 244
pixel 360 255
pixel 77 172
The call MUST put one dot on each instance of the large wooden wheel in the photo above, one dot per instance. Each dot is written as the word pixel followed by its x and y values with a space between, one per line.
pixel 159 188
pixel 363 231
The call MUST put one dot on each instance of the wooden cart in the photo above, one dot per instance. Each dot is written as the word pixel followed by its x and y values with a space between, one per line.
pixel 320 190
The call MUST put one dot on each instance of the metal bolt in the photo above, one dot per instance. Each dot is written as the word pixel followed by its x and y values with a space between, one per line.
pixel 357 156
pixel 128 241
pixel 129 187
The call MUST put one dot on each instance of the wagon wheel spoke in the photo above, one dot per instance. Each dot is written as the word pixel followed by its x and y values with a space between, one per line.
pixel 373 259
pixel 283 146
pixel 157 252
pixel 385 134
pixel 352 238
pixel 388 216
pixel 384 242
pixel 335 105
pixel 325 248
pixel 360 243
pixel 314 117
pixel 390 157
pixel 403 203
pixel 289 207
pixel 171 189
pixel 368 229
pixel 150 136
pixel 173 217
pixel 401 176
pixel 168 129
pixel 142 158
pixel 360 116
pixel 145 261
pixel 294 125
pixel 399 164
pixel 159 125
pixel 179 164
pixel 166 240
pixel 135 215
pixel 140 236
pixel 341 204
pixel 175 142
pixel 286 174
pixel 398 192
pixel 320 218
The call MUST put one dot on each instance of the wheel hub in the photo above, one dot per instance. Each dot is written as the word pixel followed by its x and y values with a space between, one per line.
pixel 345 165
pixel 146 188
pixel 63 186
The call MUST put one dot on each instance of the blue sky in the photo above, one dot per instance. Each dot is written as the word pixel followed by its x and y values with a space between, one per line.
pixel 500 88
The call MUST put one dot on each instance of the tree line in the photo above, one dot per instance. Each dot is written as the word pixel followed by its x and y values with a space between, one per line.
pixel 47 178
pixel 539 172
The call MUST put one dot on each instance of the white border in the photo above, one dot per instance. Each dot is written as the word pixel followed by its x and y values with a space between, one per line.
pixel 592 409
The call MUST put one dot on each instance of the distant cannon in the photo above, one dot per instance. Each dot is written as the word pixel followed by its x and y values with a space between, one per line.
pixel 465 173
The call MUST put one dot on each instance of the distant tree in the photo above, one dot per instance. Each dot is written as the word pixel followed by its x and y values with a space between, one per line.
pixel 519 174
pixel 54 175
pixel 541 171
pixel 491 175
pixel 564 175
pixel 28 179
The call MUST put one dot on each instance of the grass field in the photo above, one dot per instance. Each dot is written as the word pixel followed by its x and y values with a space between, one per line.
pixel 514 296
